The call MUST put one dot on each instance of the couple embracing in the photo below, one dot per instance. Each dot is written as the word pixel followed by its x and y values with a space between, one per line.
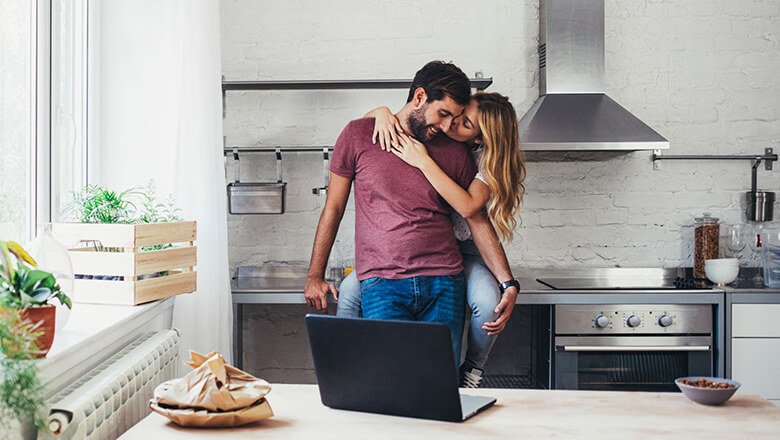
pixel 430 203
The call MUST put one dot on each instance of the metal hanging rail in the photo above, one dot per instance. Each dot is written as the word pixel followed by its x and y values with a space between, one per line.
pixel 768 157
pixel 290 149
pixel 477 83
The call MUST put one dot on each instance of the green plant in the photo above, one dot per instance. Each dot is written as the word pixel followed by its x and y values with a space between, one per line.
pixel 23 286
pixel 154 211
pixel 97 204
pixel 21 391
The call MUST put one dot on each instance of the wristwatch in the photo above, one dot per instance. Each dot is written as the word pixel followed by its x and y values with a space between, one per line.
pixel 507 284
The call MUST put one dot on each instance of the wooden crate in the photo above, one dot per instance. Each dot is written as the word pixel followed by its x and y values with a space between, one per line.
pixel 141 270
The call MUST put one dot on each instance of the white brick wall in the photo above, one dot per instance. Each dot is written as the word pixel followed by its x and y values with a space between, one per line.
pixel 704 73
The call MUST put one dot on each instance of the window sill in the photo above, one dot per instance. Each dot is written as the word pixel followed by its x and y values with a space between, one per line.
pixel 95 332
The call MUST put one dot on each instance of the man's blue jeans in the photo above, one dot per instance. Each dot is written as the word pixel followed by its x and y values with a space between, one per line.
pixel 425 298
pixel 482 295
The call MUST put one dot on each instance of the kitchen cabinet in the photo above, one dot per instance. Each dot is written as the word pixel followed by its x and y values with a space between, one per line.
pixel 754 365
pixel 754 351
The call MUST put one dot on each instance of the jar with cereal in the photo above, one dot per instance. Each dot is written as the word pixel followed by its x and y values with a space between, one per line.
pixel 706 236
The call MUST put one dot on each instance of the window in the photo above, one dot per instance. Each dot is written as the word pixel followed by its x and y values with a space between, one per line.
pixel 68 102
pixel 43 111
pixel 17 118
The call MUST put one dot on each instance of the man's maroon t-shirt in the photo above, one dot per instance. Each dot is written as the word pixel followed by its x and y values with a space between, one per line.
pixel 402 225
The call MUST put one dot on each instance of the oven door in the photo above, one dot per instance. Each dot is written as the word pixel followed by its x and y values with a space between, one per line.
pixel 629 363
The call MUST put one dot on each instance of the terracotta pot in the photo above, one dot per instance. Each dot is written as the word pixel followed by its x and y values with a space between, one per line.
pixel 46 316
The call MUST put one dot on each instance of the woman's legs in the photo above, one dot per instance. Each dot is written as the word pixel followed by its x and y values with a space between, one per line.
pixel 482 296
pixel 349 304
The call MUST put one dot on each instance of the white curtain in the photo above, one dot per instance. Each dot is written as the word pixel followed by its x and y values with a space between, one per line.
pixel 158 75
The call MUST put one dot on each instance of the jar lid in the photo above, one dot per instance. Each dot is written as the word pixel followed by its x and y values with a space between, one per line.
pixel 706 218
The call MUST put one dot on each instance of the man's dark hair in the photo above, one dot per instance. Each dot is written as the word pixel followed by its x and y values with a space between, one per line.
pixel 438 79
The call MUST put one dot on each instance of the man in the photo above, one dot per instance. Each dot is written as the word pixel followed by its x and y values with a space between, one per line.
pixel 407 259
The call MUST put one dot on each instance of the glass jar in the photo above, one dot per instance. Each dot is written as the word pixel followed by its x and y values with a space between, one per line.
pixel 706 236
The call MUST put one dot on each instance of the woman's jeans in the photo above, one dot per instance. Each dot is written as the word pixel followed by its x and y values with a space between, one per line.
pixel 439 299
pixel 482 296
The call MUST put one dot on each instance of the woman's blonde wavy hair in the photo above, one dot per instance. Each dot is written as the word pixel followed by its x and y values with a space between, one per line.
pixel 502 162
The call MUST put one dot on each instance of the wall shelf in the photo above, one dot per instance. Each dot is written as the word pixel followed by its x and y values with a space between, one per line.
pixel 477 83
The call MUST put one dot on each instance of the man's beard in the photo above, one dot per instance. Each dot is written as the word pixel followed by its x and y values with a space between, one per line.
pixel 419 125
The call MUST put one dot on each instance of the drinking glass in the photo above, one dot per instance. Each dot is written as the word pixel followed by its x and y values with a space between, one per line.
pixel 335 271
pixel 349 266
pixel 736 240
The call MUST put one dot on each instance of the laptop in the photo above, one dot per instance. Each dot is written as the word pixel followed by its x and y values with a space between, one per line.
pixel 398 368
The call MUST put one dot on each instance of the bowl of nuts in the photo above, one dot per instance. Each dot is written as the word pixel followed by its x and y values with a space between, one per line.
pixel 707 390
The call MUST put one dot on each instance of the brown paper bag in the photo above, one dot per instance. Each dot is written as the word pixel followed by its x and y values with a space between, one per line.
pixel 205 419
pixel 213 394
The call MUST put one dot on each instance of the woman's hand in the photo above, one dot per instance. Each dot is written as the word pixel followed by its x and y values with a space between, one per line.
pixel 411 151
pixel 386 127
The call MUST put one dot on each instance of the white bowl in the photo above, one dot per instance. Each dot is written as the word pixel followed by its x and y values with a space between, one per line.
pixel 722 271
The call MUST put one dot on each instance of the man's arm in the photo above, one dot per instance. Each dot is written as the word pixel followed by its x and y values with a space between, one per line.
pixel 317 288
pixel 492 252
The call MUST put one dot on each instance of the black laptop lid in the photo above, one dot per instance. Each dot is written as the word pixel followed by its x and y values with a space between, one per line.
pixel 389 367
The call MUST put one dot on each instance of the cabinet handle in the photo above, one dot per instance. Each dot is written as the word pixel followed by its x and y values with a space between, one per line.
pixel 631 348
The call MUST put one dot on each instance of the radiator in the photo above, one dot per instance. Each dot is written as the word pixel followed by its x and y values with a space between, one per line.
pixel 115 395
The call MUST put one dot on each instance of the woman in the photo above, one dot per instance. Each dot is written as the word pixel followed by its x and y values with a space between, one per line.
pixel 489 125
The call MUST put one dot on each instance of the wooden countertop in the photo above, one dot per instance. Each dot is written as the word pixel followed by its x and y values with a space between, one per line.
pixel 525 414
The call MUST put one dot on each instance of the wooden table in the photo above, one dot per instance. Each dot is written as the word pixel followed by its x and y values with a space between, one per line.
pixel 521 414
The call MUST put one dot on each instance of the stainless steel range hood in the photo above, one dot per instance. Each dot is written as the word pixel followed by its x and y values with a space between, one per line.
pixel 572 112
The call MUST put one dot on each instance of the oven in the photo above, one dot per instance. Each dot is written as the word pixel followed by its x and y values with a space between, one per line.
pixel 630 347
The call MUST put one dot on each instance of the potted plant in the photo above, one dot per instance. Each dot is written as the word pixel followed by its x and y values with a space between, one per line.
pixel 126 247
pixel 21 391
pixel 24 287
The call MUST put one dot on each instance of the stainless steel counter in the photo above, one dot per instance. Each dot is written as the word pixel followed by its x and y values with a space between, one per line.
pixel 284 285
pixel 269 285
pixel 747 283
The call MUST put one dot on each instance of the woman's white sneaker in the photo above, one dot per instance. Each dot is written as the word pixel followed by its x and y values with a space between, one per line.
pixel 471 379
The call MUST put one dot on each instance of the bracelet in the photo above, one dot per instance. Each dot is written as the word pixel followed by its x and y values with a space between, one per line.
pixel 507 284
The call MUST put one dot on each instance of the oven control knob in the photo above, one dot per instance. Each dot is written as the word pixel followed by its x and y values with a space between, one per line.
pixel 601 321
pixel 665 321
pixel 633 321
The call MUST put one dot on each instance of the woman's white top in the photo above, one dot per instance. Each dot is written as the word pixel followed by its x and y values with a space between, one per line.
pixel 459 225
